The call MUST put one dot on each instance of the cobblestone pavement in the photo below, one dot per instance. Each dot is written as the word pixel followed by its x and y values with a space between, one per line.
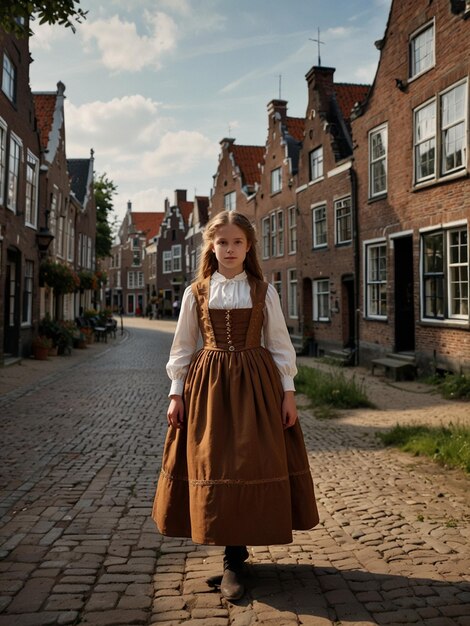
pixel 81 451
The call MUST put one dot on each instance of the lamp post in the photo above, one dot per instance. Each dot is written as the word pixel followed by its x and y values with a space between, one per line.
pixel 44 237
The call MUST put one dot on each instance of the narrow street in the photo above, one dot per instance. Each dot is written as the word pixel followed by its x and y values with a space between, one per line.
pixel 81 450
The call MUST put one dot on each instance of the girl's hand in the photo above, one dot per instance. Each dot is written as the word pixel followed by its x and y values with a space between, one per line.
pixel 175 413
pixel 289 409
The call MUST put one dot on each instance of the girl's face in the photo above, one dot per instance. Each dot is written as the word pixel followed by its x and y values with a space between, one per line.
pixel 230 246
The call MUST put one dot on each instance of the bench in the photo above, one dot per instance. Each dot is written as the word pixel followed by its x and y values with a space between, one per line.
pixel 401 370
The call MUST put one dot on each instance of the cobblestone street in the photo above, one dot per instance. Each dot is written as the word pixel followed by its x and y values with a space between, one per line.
pixel 81 450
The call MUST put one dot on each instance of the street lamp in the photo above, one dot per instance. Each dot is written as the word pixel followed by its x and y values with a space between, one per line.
pixel 44 238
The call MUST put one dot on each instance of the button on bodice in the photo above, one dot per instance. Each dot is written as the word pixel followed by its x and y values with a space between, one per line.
pixel 230 328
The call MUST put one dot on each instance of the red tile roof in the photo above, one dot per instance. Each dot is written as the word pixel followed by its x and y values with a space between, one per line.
pixel 44 105
pixel 186 208
pixel 348 94
pixel 148 223
pixel 296 127
pixel 248 158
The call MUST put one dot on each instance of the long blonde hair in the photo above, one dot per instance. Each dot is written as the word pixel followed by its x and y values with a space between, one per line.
pixel 208 262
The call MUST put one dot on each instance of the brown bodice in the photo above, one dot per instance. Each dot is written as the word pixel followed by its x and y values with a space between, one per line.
pixel 231 329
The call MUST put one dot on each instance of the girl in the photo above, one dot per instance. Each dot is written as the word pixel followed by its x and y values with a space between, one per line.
pixel 235 469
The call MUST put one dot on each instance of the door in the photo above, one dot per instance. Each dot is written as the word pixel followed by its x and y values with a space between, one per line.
pixel 12 304
pixel 404 295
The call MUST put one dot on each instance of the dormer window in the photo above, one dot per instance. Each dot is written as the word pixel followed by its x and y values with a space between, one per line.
pixel 316 164
pixel 276 180
pixel 230 201
pixel 422 46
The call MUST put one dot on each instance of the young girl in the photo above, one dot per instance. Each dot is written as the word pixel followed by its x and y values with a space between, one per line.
pixel 235 471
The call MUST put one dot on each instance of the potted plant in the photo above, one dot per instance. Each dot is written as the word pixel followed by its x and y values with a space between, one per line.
pixel 41 346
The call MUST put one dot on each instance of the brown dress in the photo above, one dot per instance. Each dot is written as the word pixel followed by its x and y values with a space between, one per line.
pixel 232 475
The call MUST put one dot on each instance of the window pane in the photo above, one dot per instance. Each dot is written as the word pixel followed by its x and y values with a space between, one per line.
pixel 422 51
pixel 434 253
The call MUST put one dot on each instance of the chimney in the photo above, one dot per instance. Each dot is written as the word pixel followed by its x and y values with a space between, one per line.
pixel 278 107
pixel 129 206
pixel 320 82
pixel 180 196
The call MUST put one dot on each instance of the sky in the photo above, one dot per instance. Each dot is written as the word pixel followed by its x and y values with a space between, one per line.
pixel 153 86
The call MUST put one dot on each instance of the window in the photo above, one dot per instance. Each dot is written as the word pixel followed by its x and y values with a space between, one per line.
pixel 176 254
pixel 265 230
pixel 167 261
pixel 319 227
pixel 280 233
pixel 292 293
pixel 13 173
pixel 53 224
pixel 453 135
pixel 321 300
pixel 276 180
pixel 376 277
pixel 60 236
pixel 31 200
pixel 135 280
pixel 230 201
pixel 343 220
pixel 28 293
pixel 3 158
pixel 440 136
pixel 70 240
pixel 277 283
pixel 9 78
pixel 292 230
pixel 422 51
pixel 425 142
pixel 273 219
pixel 445 274
pixel 316 163
pixel 136 258
pixel 378 161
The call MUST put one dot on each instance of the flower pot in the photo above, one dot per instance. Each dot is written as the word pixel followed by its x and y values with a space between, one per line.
pixel 40 353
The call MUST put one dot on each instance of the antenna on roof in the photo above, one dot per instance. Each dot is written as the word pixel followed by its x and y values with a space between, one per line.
pixel 318 43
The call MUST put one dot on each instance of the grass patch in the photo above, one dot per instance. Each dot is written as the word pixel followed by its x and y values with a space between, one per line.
pixel 447 445
pixel 331 390
pixel 451 386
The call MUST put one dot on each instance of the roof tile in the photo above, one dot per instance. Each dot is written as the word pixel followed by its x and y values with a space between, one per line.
pixel 44 105
pixel 248 159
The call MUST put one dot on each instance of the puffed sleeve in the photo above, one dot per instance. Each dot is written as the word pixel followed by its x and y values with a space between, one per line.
pixel 184 343
pixel 277 339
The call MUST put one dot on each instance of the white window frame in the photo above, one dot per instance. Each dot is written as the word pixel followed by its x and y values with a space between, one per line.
pixel 14 160
pixel 31 193
pixel 230 201
pixel 265 229
pixel 321 300
pixel 276 180
pixel 9 77
pixel 166 262
pixel 292 299
pixel 273 234
pixel 316 243
pixel 316 164
pixel 28 278
pixel 441 279
pixel 340 205
pixel 292 229
pixel 375 284
pixel 445 128
pixel 416 36
pixel 424 133
pixel 374 160
pixel 277 283
pixel 70 240
pixel 280 232
pixel 176 254
pixel 3 158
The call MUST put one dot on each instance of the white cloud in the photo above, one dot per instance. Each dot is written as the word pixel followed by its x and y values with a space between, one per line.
pixel 46 36
pixel 122 48
pixel 365 73
pixel 118 128
pixel 178 153
pixel 338 32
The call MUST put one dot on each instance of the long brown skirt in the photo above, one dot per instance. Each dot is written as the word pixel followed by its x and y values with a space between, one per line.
pixel 232 475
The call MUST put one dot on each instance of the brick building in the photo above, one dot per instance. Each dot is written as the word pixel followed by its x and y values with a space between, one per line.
pixel 275 207
pixel 172 276
pixel 236 179
pixel 412 162
pixel 21 215
pixel 327 260
pixel 197 221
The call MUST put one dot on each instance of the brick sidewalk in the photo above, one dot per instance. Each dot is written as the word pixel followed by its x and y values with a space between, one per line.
pixel 80 455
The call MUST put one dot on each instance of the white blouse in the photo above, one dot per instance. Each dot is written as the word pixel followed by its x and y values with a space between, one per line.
pixel 230 293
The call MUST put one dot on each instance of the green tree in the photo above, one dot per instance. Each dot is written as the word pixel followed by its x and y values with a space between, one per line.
pixel 104 190
pixel 13 13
